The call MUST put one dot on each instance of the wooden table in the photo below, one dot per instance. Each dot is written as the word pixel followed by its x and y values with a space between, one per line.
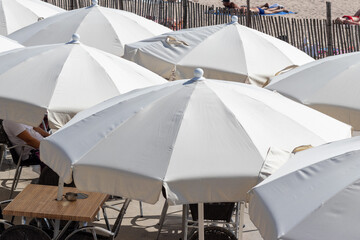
pixel 39 201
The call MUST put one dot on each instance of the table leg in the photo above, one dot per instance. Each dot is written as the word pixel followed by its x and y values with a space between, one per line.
pixel 23 220
pixel 56 228
pixel 58 236
pixel 84 224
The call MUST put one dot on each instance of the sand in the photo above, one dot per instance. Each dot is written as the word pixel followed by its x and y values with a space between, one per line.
pixel 304 8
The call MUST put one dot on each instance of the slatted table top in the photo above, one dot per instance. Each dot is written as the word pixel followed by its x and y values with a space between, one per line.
pixel 40 201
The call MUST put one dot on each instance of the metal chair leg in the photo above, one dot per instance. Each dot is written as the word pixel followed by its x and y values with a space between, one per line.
pixel 106 220
pixel 241 221
pixel 14 180
pixel 18 176
pixel 141 209
pixel 2 154
pixel 185 216
pixel 237 219
pixel 162 218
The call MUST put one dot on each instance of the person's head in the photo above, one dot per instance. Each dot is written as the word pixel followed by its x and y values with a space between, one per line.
pixel 226 2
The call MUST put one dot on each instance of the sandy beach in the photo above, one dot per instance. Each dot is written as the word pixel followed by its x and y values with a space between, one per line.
pixel 305 8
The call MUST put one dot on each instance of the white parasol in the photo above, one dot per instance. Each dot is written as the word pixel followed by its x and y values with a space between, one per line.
pixel 227 52
pixel 100 27
pixel 63 79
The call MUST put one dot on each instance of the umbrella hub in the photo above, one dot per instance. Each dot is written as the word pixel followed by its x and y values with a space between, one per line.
pixel 234 19
pixel 198 73
pixel 75 38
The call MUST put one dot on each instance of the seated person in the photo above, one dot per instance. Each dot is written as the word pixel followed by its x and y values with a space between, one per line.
pixel 352 20
pixel 21 134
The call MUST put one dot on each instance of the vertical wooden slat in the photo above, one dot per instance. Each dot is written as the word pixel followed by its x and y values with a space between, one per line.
pixel 338 32
pixel 181 9
pixel 310 37
pixel 282 31
pixel 303 38
pixel 159 13
pixel 222 16
pixel 190 17
pixel 201 13
pixel 256 25
pixel 173 15
pixel 273 28
pixel 218 16
pixel 208 10
pixel 185 14
pixel 292 39
pixel 264 21
pixel 195 15
pixel 328 28
pixel 325 37
pixel 342 42
pixel 259 19
pixel 300 41
pixel 177 15
pixel 347 38
pixel 203 16
pixel 322 39
pixel 281 27
pixel 313 38
pixel 357 37
pixel 197 12
pixel 337 41
pixel 122 4
pixel 344 39
pixel 351 39
pixel 167 21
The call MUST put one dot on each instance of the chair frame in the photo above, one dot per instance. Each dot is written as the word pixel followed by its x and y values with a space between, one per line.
pixel 29 227
pixel 110 232
pixel 214 231
pixel 233 226
pixel 3 221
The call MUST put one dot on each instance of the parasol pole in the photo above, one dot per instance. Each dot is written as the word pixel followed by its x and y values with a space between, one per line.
pixel 201 221
pixel 60 189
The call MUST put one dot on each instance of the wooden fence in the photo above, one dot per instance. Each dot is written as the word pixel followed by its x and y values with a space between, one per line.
pixel 310 35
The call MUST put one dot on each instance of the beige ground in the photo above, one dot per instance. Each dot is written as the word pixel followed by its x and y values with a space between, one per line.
pixel 304 8
pixel 133 227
